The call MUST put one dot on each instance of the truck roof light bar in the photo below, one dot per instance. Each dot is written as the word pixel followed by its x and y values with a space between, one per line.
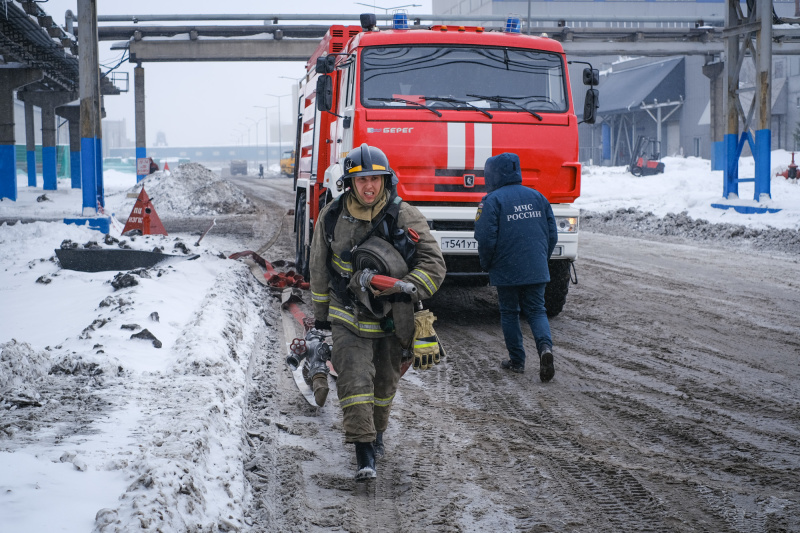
pixel 513 24
pixel 400 21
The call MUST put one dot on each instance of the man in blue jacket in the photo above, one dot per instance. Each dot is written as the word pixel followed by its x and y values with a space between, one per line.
pixel 516 233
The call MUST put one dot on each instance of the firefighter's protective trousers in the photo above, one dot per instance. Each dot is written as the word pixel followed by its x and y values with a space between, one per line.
pixel 369 370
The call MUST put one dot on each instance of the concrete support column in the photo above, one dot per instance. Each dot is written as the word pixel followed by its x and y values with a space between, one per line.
pixel 30 143
pixel 730 185
pixel 50 183
pixel 713 71
pixel 11 77
pixel 139 118
pixel 763 155
pixel 91 130
pixel 48 101
pixel 73 115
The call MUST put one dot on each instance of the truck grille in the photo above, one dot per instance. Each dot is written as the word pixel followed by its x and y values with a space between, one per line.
pixel 452 225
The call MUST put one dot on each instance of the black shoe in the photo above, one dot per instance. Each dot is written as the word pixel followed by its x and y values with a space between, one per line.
pixel 546 368
pixel 365 457
pixel 380 451
pixel 514 367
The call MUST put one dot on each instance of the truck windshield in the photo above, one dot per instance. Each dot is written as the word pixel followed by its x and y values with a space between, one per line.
pixel 533 79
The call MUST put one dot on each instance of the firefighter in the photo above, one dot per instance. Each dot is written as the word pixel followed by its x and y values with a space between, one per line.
pixel 516 233
pixel 370 336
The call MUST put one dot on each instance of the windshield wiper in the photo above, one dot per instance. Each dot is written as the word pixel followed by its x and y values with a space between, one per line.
pixel 506 100
pixel 451 100
pixel 412 102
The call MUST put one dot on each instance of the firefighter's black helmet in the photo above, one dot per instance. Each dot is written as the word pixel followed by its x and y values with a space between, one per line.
pixel 366 161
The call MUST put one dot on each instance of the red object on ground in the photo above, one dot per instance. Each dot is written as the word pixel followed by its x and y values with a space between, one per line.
pixel 144 217
pixel 166 166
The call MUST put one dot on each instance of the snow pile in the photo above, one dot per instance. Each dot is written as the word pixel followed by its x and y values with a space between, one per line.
pixel 21 368
pixel 192 189
pixel 678 203
pixel 633 222
pixel 122 394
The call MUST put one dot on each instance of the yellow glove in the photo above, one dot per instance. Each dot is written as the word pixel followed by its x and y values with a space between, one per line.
pixel 426 344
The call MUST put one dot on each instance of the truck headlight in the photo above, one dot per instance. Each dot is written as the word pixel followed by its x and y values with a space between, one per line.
pixel 567 224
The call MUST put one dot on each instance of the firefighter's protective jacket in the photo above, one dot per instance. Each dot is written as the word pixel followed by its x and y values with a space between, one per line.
pixel 514 226
pixel 426 271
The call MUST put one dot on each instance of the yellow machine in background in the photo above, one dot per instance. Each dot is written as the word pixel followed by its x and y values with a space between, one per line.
pixel 287 163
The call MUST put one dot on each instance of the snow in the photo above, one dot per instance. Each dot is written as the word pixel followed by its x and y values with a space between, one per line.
pixel 690 185
pixel 128 436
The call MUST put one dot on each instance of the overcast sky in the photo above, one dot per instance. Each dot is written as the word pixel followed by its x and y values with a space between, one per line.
pixel 208 104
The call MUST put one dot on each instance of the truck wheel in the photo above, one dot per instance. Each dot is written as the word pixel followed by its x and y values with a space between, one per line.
pixel 301 258
pixel 555 294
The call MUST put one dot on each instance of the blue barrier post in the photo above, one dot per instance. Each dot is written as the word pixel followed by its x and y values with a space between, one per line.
pixel 31 155
pixel 88 176
pixel 8 172
pixel 729 182
pixel 49 179
pixel 763 160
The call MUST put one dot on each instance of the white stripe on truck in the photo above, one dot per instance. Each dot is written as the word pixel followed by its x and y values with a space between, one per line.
pixel 483 144
pixel 456 145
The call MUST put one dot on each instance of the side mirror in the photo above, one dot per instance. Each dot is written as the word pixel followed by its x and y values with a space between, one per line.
pixel 326 64
pixel 590 105
pixel 324 93
pixel 591 76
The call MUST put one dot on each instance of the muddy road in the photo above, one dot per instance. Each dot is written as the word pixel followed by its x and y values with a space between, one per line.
pixel 675 406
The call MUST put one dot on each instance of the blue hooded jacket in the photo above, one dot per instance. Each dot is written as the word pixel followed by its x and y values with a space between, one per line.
pixel 514 226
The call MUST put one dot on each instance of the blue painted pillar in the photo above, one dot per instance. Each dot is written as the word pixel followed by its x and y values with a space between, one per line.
pixel 30 144
pixel 88 176
pixel 75 167
pixel 10 80
pixel 731 174
pixel 8 171
pixel 763 160
pixel 718 155
pixel 49 177
pixel 101 195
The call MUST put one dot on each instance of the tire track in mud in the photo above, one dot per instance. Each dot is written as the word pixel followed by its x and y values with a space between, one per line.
pixel 533 426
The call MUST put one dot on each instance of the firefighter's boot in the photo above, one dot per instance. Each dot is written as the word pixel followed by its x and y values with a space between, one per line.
pixel 365 457
pixel 380 451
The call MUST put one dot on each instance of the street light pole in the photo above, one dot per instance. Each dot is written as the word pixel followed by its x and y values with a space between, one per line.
pixel 266 127
pixel 280 144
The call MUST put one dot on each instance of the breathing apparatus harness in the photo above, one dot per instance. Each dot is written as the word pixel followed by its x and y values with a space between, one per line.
pixel 385 227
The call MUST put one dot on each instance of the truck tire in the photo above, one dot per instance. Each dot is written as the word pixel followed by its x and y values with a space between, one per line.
pixel 555 294
pixel 301 258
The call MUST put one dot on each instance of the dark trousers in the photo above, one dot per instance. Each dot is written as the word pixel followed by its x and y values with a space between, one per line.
pixel 529 298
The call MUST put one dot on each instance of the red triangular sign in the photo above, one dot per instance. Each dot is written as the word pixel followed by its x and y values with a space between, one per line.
pixel 144 217
pixel 166 166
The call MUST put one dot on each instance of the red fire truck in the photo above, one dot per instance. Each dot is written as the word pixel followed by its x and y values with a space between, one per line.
pixel 439 101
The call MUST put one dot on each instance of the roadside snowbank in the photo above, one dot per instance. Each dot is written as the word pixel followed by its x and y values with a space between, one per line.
pixel 123 401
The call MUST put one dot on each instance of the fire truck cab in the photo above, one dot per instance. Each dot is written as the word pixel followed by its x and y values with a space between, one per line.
pixel 439 101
